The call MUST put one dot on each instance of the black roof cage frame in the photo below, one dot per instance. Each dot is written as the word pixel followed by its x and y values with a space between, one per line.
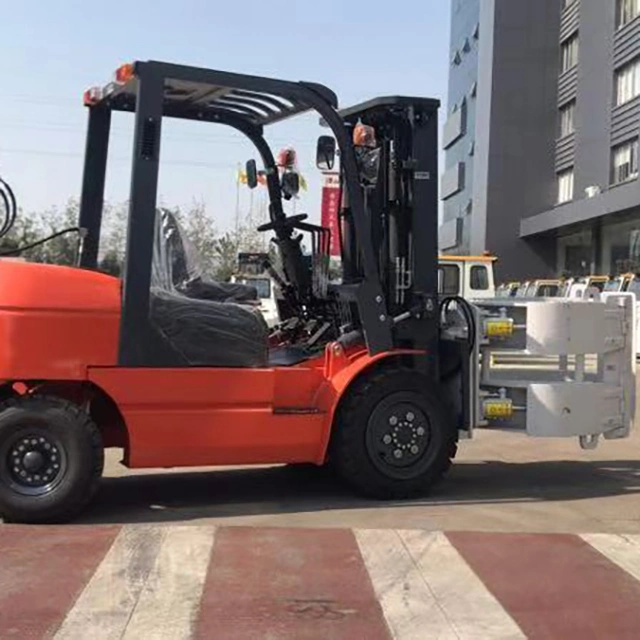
pixel 153 90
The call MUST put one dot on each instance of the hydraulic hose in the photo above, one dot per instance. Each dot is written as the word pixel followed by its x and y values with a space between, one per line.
pixel 9 208
pixel 8 213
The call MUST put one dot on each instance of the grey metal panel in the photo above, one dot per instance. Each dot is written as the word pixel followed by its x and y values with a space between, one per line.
pixel 625 122
pixel 595 96
pixel 567 86
pixel 453 128
pixel 618 198
pixel 452 180
pixel 565 152
pixel 449 234
pixel 569 21
pixel 626 43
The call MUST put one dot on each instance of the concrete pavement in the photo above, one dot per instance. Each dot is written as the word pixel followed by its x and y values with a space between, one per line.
pixel 499 482
pixel 178 582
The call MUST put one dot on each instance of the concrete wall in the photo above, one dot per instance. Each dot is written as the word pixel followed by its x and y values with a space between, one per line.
pixel 465 16
pixel 520 147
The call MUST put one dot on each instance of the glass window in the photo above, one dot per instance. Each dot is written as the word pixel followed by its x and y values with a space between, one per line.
pixel 575 254
pixel 565 186
pixel 479 278
pixel 548 291
pixel 628 82
pixel 621 246
pixel 626 11
pixel 449 280
pixel 624 162
pixel 613 285
pixel 567 119
pixel 261 285
pixel 634 287
pixel 570 50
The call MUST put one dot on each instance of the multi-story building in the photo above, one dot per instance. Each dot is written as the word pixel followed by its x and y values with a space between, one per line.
pixel 541 135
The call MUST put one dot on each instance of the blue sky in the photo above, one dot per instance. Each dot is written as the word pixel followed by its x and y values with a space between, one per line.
pixel 359 49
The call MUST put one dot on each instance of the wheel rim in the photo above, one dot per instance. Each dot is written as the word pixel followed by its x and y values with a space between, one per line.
pixel 34 462
pixel 399 437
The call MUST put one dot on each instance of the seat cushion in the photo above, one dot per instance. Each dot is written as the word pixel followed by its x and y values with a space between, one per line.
pixel 208 333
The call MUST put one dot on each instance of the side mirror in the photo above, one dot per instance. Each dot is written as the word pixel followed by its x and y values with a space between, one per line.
pixel 252 174
pixel 290 184
pixel 326 153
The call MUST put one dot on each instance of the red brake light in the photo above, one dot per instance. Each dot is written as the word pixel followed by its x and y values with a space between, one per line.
pixel 124 73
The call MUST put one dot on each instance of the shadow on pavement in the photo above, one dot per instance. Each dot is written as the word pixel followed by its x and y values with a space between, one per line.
pixel 167 497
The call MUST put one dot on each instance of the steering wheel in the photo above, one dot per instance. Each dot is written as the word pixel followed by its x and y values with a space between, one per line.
pixel 290 221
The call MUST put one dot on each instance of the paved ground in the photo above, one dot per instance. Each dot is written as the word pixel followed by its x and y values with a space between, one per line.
pixel 500 482
pixel 524 538
pixel 170 582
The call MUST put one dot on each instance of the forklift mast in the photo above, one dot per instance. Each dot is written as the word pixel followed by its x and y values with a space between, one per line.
pixel 401 207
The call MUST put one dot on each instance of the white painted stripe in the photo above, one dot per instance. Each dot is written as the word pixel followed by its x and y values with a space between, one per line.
pixel 427 590
pixel 623 550
pixel 469 606
pixel 409 606
pixel 169 604
pixel 104 607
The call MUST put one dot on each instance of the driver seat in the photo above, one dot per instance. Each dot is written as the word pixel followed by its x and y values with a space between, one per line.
pixel 202 321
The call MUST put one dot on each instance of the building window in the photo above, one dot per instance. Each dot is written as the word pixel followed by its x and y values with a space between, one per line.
pixel 628 82
pixel 626 11
pixel 570 50
pixel 624 162
pixel 567 119
pixel 565 186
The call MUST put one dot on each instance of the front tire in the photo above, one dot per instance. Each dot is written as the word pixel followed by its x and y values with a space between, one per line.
pixel 51 459
pixel 392 438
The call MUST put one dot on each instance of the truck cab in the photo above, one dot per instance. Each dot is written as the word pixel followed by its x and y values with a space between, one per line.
pixel 471 277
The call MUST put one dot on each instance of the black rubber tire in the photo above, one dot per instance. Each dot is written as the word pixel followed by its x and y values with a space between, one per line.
pixel 350 454
pixel 81 440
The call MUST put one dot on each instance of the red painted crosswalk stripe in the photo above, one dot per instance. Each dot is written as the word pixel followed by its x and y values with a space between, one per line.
pixel 555 586
pixel 42 571
pixel 290 584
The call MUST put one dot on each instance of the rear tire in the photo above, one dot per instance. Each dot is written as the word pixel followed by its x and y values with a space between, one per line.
pixel 392 438
pixel 51 459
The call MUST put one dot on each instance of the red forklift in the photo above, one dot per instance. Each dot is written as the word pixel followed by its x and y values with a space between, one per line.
pixel 181 371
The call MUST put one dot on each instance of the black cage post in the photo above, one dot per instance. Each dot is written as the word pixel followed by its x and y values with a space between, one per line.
pixel 136 337
pixel 425 223
pixel 93 180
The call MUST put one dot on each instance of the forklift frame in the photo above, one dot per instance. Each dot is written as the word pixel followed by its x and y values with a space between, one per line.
pixel 154 90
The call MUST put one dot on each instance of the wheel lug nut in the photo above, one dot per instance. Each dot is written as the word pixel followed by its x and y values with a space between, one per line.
pixel 397 453
pixel 420 431
pixel 410 416
pixel 387 439
pixel 393 421
pixel 414 449
pixel 47 446
pixel 23 473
